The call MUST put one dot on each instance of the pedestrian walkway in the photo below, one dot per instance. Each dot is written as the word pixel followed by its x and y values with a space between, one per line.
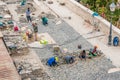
pixel 78 24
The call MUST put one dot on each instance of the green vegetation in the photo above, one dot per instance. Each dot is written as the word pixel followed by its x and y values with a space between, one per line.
pixel 102 7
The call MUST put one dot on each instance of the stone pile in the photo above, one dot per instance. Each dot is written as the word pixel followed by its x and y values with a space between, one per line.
pixel 5 17
pixel 14 39
pixel 30 67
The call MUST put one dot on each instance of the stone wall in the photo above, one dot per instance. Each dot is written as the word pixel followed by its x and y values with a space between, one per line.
pixel 7 68
pixel 86 14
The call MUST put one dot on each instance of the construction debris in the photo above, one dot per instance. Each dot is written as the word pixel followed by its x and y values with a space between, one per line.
pixel 14 42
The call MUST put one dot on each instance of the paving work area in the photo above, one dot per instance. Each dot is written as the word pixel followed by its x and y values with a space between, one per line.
pixel 91 69
pixel 57 32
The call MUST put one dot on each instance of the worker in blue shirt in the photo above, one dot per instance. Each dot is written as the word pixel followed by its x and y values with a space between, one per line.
pixel 52 61
pixel 28 12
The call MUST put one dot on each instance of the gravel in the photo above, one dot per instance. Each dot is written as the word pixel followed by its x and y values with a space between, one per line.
pixel 67 37
pixel 36 75
pixel 64 35
pixel 111 76
pixel 91 69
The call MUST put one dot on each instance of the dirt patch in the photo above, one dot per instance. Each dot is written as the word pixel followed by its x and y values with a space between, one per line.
pixel 36 75
pixel 4 10
pixel 50 16
pixel 24 20
pixel 22 9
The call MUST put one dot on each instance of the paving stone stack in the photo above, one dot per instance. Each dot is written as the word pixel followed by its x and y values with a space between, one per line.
pixel 14 39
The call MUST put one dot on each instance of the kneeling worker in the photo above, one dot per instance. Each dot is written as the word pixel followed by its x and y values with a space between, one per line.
pixel 83 55
pixel 69 59
pixel 52 61
pixel 44 20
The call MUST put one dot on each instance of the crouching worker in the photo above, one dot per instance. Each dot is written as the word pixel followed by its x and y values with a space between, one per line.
pixel 53 61
pixel 44 20
pixel 93 52
pixel 69 59
pixel 83 55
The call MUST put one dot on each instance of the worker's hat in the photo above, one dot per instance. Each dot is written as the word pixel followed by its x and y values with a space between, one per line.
pixel 96 46
pixel 56 59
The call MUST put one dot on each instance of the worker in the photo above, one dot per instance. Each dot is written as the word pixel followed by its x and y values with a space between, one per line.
pixel 69 59
pixel 83 55
pixel 93 52
pixel 44 20
pixel 28 12
pixel 53 61
pixel 35 28
pixel 20 69
pixel 23 2
pixel 29 33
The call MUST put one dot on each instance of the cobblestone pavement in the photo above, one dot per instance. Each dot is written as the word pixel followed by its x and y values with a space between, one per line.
pixel 91 69
pixel 64 35
pixel 67 37
pixel 111 76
